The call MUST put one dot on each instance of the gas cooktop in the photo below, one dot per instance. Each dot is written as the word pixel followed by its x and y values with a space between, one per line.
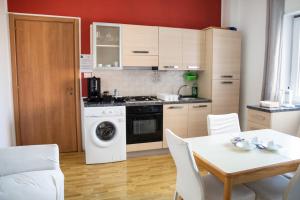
pixel 134 99
pixel 125 99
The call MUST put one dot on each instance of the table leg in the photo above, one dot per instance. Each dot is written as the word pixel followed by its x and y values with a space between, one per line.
pixel 227 189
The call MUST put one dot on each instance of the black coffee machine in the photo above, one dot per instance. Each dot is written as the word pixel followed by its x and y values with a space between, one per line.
pixel 94 89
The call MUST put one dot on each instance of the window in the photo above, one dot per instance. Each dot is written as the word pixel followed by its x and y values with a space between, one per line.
pixel 295 58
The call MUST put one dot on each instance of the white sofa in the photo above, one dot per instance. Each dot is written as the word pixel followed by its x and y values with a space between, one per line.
pixel 31 173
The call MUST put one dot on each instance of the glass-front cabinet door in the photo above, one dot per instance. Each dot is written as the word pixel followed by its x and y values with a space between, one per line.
pixel 106 45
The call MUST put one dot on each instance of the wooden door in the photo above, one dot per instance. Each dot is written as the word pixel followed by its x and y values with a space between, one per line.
pixel 226 54
pixel 197 119
pixel 45 73
pixel 175 118
pixel 193 49
pixel 140 45
pixel 170 48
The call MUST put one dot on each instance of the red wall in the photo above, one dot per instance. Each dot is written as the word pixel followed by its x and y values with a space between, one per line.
pixel 172 13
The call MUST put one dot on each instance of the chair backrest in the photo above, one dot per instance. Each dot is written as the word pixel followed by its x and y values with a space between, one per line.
pixel 218 124
pixel 292 192
pixel 189 184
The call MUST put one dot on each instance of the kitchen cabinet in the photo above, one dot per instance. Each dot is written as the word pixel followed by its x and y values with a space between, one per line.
pixel 226 54
pixel 175 118
pixel 170 48
pixel 186 120
pixel 197 119
pixel 139 45
pixel 220 82
pixel 193 49
pixel 226 96
pixel 283 121
pixel 105 45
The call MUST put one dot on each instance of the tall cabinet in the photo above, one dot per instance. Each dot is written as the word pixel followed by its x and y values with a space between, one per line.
pixel 221 81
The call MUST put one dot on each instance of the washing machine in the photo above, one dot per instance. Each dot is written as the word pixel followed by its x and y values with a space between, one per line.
pixel 105 134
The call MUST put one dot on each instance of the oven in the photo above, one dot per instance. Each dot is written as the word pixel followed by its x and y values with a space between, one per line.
pixel 144 124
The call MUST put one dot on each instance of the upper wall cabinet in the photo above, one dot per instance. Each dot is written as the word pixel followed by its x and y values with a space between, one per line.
pixel 193 49
pixel 140 45
pixel 170 48
pixel 226 54
pixel 105 45
pixel 181 49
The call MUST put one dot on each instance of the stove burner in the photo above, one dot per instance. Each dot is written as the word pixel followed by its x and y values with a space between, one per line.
pixel 140 98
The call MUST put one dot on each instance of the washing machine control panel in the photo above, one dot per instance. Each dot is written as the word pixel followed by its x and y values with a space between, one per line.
pixel 104 111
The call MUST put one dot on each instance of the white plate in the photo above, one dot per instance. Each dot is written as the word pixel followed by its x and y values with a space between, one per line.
pixel 245 146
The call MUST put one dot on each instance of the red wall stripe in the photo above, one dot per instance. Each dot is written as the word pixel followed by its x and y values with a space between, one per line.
pixel 196 14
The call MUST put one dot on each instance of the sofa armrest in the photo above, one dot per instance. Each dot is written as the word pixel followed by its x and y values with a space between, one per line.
pixel 28 158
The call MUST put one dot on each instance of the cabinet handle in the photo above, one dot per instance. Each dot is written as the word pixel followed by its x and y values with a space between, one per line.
pixel 200 106
pixel 227 82
pixel 193 67
pixel 175 107
pixel 171 67
pixel 140 51
pixel 227 76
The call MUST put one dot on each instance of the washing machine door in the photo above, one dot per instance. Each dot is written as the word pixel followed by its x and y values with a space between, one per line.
pixel 105 133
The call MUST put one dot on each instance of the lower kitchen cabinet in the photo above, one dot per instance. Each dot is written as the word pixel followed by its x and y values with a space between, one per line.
pixel 197 119
pixel 175 118
pixel 286 121
pixel 225 96
pixel 186 120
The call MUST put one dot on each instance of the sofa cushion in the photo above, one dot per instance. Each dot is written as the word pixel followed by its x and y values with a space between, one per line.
pixel 35 185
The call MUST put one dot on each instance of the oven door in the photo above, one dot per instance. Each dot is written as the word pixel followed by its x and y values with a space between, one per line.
pixel 143 128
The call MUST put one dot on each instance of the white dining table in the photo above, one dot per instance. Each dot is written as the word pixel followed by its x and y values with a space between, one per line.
pixel 217 155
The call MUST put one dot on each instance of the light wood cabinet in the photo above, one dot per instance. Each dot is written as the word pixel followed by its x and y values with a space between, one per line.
pixel 170 48
pixel 105 45
pixel 286 122
pixel 197 119
pixel 140 45
pixel 226 52
pixel 175 118
pixel 193 49
pixel 225 96
pixel 186 120
pixel 221 79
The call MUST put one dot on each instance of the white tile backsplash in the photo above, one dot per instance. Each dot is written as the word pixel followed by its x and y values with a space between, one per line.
pixel 142 82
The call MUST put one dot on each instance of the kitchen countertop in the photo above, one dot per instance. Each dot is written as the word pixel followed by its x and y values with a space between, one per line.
pixel 160 102
pixel 273 110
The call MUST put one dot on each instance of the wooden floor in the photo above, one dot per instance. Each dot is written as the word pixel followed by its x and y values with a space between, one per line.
pixel 149 178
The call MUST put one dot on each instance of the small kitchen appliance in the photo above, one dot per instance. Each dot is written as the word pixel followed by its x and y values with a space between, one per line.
pixel 94 88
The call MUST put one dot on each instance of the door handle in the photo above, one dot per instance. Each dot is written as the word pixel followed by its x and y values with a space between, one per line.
pixel 70 91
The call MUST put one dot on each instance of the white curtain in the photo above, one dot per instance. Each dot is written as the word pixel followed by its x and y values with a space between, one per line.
pixel 272 72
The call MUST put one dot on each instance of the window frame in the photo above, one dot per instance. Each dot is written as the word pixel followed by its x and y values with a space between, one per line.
pixel 295 58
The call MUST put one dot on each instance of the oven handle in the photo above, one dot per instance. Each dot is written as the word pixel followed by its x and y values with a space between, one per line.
pixel 143 114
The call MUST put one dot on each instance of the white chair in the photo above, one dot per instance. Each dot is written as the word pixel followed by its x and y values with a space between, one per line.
pixel 277 188
pixel 31 173
pixel 218 124
pixel 189 184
